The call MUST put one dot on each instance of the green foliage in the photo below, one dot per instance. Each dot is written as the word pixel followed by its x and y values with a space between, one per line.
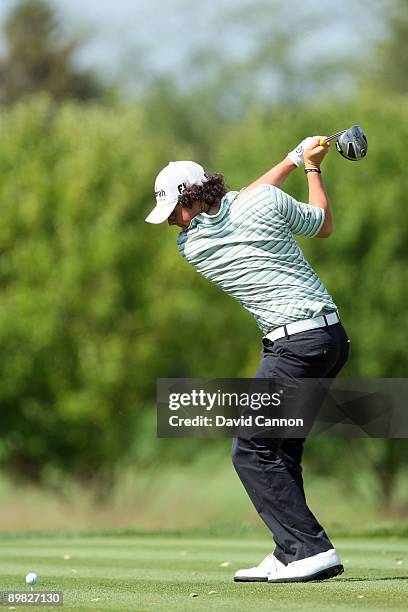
pixel 95 305
pixel 387 69
pixel 363 263
pixel 40 58
pixel 74 256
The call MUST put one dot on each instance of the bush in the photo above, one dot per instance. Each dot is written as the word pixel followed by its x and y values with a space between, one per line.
pixel 95 305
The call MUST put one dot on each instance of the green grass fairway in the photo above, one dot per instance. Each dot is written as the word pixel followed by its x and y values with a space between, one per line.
pixel 156 572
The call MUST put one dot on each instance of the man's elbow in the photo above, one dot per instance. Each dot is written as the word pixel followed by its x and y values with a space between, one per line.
pixel 326 231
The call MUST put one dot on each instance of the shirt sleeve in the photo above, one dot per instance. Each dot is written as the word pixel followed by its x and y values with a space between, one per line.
pixel 303 219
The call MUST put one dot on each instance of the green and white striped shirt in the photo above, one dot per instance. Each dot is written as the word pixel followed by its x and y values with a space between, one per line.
pixel 248 249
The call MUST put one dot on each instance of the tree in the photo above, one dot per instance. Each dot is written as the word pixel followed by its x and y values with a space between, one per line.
pixel 388 70
pixel 39 57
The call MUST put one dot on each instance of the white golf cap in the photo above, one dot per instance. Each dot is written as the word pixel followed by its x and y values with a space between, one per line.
pixel 170 183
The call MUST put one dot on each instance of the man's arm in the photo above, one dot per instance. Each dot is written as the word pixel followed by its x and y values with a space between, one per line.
pixel 275 176
pixel 311 153
pixel 313 156
pixel 278 174
pixel 318 197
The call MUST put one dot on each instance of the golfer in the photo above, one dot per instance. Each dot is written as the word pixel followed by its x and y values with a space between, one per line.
pixel 244 242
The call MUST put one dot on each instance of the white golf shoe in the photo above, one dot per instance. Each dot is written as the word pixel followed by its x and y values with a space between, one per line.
pixel 317 567
pixel 261 572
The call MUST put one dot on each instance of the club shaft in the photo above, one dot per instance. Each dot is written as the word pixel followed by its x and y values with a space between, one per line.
pixel 333 136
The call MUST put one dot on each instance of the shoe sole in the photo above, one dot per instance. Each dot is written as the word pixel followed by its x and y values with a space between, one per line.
pixel 244 579
pixel 326 574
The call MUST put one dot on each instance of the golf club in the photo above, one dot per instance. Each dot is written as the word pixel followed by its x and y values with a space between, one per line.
pixel 332 137
pixel 351 143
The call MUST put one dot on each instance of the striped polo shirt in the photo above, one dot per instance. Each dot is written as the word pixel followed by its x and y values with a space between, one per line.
pixel 248 249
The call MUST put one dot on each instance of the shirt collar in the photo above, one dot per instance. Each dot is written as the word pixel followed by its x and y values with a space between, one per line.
pixel 206 219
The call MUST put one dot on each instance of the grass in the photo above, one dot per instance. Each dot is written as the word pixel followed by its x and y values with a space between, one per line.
pixel 159 571
pixel 68 505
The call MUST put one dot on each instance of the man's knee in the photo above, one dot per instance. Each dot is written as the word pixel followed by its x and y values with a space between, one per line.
pixel 238 452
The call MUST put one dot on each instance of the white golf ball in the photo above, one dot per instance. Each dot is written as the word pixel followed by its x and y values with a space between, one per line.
pixel 31 578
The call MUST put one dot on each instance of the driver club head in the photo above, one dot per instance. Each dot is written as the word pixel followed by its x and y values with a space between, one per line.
pixel 352 143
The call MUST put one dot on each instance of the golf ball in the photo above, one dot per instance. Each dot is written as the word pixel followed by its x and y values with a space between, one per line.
pixel 31 578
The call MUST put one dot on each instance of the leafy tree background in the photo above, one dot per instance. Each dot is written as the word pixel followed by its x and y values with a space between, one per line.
pixel 40 58
pixel 95 305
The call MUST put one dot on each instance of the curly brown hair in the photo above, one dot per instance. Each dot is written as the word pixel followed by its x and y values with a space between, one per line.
pixel 208 193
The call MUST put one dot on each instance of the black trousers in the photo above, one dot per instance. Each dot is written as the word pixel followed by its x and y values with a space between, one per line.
pixel 270 469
